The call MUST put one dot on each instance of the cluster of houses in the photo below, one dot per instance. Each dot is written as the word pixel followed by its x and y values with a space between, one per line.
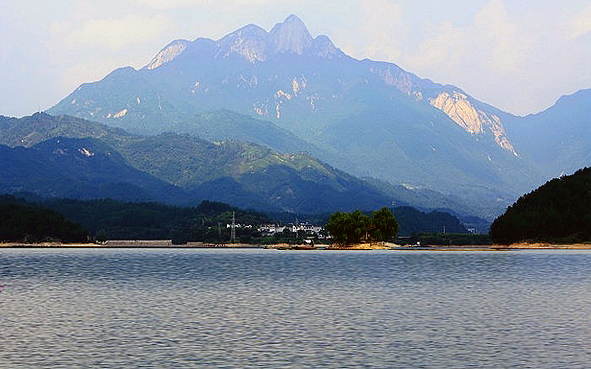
pixel 305 229
pixel 308 229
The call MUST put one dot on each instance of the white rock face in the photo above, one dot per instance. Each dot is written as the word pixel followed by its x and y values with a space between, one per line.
pixel 84 151
pixel 291 36
pixel 261 109
pixel 248 41
pixel 257 45
pixel 121 114
pixel 455 105
pixel 460 110
pixel 295 86
pixel 170 52
pixel 397 78
pixel 279 94
pixel 324 48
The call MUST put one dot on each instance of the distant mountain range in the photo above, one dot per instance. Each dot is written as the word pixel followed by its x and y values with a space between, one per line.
pixel 278 112
pixel 292 92
pixel 67 157
pixel 556 141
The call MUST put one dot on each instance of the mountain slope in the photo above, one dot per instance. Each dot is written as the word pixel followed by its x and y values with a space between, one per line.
pixel 79 168
pixel 557 140
pixel 557 211
pixel 239 173
pixel 368 118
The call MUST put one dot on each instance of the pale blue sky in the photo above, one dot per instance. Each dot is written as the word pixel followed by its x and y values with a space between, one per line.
pixel 519 55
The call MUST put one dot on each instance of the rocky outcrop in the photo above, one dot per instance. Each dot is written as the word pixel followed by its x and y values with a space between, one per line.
pixel 170 52
pixel 291 36
pixel 459 108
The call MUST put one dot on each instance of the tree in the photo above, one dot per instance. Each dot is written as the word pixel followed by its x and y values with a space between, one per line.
pixel 358 227
pixel 336 227
pixel 384 226
pixel 348 228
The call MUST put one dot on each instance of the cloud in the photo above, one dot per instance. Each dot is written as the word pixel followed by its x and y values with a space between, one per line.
pixel 447 46
pixel 188 4
pixel 381 30
pixel 580 24
pixel 114 33
pixel 172 4
pixel 501 42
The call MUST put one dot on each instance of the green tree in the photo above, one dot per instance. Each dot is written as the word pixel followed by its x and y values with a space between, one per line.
pixel 336 227
pixel 348 228
pixel 358 227
pixel 384 226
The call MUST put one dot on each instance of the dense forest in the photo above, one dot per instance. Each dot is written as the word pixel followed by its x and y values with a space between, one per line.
pixel 110 219
pixel 32 224
pixel 558 212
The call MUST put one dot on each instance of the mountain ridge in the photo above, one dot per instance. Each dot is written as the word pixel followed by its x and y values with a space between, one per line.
pixel 203 169
pixel 368 118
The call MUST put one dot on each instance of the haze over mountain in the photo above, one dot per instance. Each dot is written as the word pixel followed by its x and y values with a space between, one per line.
pixel 558 140
pixel 97 161
pixel 369 118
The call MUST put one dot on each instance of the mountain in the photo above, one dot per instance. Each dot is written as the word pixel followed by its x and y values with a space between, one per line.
pixel 79 168
pixel 558 139
pixel 100 161
pixel 371 119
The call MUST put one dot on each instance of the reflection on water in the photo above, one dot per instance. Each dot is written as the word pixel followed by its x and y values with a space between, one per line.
pixel 253 308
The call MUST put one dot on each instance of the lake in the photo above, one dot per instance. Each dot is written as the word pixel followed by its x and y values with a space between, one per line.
pixel 185 308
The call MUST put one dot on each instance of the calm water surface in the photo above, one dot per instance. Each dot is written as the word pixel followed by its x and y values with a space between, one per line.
pixel 260 308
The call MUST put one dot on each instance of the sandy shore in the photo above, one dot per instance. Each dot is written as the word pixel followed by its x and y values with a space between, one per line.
pixel 539 245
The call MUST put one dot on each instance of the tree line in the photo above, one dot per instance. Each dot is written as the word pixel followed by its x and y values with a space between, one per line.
pixel 350 228
pixel 31 224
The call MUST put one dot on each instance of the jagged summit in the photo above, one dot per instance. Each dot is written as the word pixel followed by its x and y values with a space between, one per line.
pixel 291 36
pixel 249 41
pixel 256 45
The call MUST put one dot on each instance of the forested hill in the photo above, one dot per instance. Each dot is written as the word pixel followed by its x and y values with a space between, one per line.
pixel 22 222
pixel 558 211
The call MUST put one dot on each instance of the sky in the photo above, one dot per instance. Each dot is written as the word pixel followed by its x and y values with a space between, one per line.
pixel 518 55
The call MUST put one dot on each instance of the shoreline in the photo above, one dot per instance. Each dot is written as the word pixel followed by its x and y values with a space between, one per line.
pixel 166 244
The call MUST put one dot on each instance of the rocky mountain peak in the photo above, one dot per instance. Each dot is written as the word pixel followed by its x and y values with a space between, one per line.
pixel 249 41
pixel 169 52
pixel 291 36
pixel 324 48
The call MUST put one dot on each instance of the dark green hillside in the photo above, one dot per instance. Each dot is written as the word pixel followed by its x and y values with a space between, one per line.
pixel 309 190
pixel 414 221
pixel 558 211
pixel 222 125
pixel 80 168
pixel 20 222
pixel 39 127
pixel 240 173
pixel 111 219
